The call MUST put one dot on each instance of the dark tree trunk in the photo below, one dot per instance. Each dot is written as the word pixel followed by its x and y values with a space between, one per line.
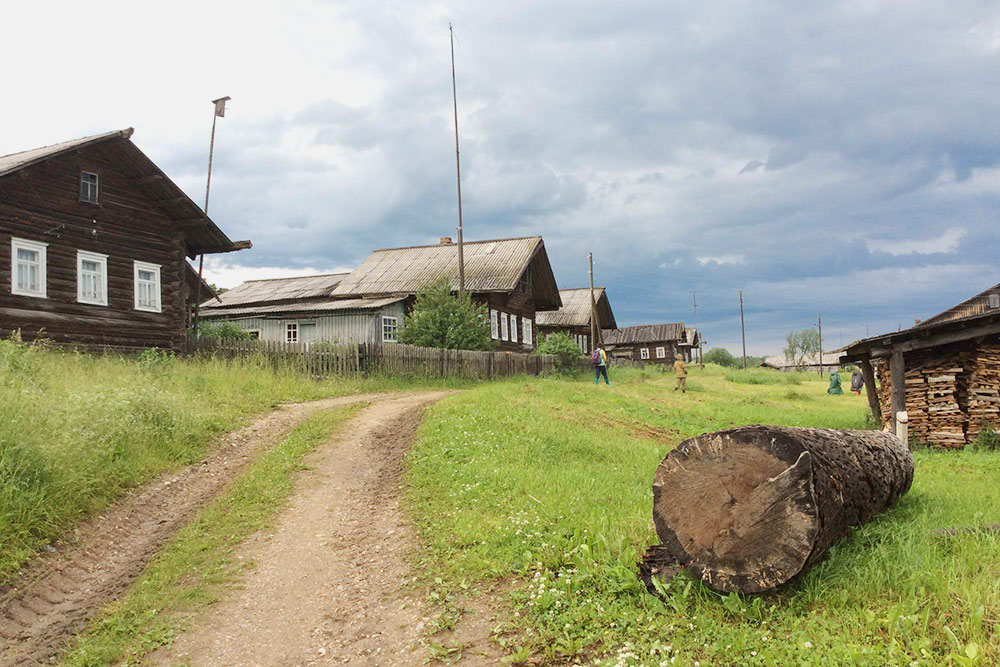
pixel 748 508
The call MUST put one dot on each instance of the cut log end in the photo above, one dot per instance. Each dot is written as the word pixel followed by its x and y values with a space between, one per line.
pixel 742 516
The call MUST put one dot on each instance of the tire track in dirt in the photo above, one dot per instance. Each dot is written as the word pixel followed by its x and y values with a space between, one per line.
pixel 54 597
pixel 329 584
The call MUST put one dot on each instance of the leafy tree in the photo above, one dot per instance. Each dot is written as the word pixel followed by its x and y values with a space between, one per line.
pixel 442 319
pixel 722 356
pixel 801 344
pixel 564 348
pixel 224 330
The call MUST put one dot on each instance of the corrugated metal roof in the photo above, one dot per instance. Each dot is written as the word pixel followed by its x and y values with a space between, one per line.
pixel 575 311
pixel 490 266
pixel 984 302
pixel 15 161
pixel 311 306
pixel 781 361
pixel 278 289
pixel 644 333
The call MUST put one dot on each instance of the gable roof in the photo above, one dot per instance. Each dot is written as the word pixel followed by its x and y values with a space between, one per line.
pixel 202 235
pixel 272 290
pixel 644 333
pixel 490 266
pixel 977 305
pixel 575 310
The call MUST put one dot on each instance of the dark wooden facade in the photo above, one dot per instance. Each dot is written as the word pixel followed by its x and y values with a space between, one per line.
pixel 630 342
pixel 139 216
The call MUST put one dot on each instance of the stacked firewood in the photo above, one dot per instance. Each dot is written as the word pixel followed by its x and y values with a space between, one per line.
pixel 935 416
pixel 980 391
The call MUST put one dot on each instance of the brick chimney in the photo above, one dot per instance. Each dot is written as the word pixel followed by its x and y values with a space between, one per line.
pixel 445 240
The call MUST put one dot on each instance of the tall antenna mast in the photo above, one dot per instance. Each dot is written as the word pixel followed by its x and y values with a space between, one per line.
pixel 458 168
pixel 218 112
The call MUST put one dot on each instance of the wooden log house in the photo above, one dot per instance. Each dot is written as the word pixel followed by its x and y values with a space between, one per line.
pixel 575 315
pixel 95 239
pixel 944 372
pixel 651 343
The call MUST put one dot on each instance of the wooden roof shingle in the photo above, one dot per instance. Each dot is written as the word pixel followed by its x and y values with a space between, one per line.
pixel 575 311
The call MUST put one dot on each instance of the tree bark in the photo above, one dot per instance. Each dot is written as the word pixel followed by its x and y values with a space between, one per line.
pixel 749 508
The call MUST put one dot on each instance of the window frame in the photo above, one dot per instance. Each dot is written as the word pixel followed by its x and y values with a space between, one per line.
pixel 527 335
pixel 291 328
pixel 513 328
pixel 394 328
pixel 661 352
pixel 644 353
pixel 494 324
pixel 504 329
pixel 101 299
pixel 42 264
pixel 90 191
pixel 157 281
pixel 994 300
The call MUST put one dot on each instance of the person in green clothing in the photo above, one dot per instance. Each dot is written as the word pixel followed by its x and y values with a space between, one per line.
pixel 681 371
pixel 600 360
pixel 835 384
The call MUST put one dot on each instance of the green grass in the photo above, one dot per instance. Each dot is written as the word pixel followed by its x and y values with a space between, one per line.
pixel 543 489
pixel 78 430
pixel 198 565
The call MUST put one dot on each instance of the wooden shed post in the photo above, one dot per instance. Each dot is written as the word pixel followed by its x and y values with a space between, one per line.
pixel 897 373
pixel 869 375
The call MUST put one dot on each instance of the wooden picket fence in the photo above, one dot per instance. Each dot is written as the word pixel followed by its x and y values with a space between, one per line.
pixel 333 359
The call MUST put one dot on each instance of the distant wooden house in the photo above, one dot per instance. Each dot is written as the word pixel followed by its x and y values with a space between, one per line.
pixel 650 343
pixel 944 372
pixel 304 310
pixel 575 314
pixel 511 277
pixel 809 362
pixel 97 237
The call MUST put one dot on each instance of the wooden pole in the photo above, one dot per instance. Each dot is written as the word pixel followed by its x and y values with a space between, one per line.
pixel 594 328
pixel 458 169
pixel 218 111
pixel 868 372
pixel 743 332
pixel 897 378
pixel 821 344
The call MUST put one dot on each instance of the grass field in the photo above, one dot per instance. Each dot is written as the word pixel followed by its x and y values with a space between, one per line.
pixel 540 491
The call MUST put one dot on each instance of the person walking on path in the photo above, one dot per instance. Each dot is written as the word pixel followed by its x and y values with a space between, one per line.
pixel 681 371
pixel 600 360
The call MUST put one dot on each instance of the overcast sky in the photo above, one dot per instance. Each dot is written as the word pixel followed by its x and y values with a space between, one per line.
pixel 835 158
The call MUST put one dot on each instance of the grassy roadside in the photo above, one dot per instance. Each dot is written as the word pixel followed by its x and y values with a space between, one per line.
pixel 199 563
pixel 78 430
pixel 542 488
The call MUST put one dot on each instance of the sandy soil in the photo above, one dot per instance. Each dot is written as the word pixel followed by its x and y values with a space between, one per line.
pixel 326 587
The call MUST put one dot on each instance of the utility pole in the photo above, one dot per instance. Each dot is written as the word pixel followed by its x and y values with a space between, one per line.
pixel 458 169
pixel 218 112
pixel 694 300
pixel 743 332
pixel 595 329
pixel 820 344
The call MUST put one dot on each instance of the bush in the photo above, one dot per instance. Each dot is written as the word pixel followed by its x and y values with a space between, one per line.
pixel 565 349
pixel 225 331
pixel 442 319
pixel 987 439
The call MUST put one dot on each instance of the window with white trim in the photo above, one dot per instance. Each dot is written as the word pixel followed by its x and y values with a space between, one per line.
pixel 513 328
pixel 504 330
pixel 494 325
pixel 527 335
pixel 91 278
pixel 88 187
pixel 390 327
pixel 644 353
pixel 291 332
pixel 27 261
pixel 147 286
pixel 661 353
pixel 994 300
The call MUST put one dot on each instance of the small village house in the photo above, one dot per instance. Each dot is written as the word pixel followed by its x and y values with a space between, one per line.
pixel 98 239
pixel 303 310
pixel 651 343
pixel 943 372
pixel 809 362
pixel 574 317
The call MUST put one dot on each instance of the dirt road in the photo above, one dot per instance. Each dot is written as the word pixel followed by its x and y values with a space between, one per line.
pixel 326 587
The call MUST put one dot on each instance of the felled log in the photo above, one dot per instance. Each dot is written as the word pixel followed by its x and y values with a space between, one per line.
pixel 747 509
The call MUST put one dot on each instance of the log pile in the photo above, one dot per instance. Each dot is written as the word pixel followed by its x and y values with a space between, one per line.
pixel 932 402
pixel 747 509
pixel 980 389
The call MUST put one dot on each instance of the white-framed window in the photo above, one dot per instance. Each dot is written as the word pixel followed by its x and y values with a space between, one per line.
pixel 494 325
pixel 91 278
pixel 504 330
pixel 644 353
pixel 147 286
pixel 291 332
pixel 661 353
pixel 88 187
pixel 27 261
pixel 994 300
pixel 513 328
pixel 390 327
pixel 527 335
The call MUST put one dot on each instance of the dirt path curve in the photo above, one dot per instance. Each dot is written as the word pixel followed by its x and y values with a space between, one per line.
pixel 56 595
pixel 328 585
